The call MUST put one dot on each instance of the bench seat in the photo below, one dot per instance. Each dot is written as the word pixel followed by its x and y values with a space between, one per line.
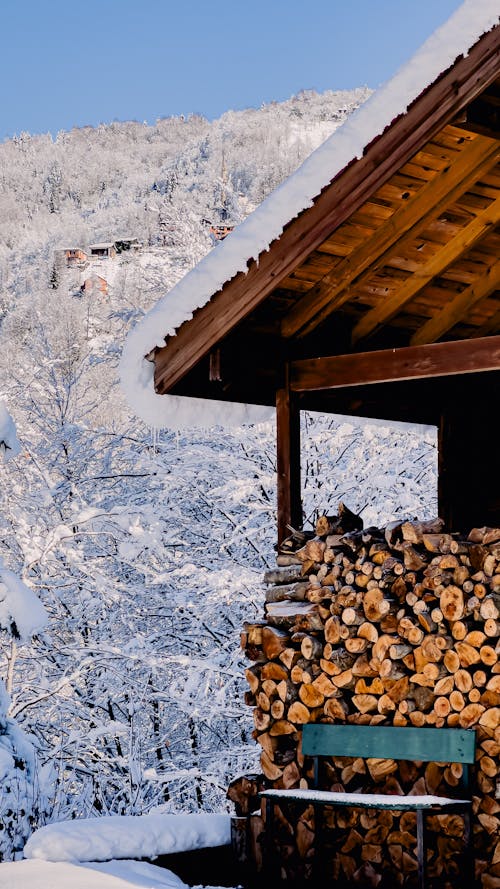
pixel 323 740
pixel 366 800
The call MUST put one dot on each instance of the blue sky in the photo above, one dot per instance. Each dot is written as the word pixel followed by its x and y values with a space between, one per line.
pixel 64 64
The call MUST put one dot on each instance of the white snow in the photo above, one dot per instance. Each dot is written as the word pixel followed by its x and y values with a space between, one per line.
pixel 19 605
pixel 63 875
pixel 379 800
pixel 128 836
pixel 284 609
pixel 266 223
pixel 9 444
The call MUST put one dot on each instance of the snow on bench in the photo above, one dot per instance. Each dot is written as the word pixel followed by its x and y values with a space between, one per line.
pixel 128 836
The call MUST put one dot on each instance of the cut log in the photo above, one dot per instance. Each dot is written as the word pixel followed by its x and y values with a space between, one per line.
pixel 274 642
pixel 277 709
pixel 285 574
pixel 270 769
pixel 311 647
pixel 375 606
pixel 252 675
pixel 467 654
pixel 451 603
pixel 281 727
pixel 273 670
pixel 310 695
pixel 336 709
pixel 324 685
pixel 261 719
pixel 298 713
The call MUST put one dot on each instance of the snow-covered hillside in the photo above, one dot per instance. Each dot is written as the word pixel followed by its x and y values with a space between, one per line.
pixel 146 549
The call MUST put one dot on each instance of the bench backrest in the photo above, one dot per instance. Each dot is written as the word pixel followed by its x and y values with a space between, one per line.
pixel 390 742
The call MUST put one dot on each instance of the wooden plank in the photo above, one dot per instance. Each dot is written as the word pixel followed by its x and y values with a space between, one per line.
pixel 459 307
pixel 451 92
pixel 331 292
pixel 463 241
pixel 390 365
pixel 389 742
pixel 288 460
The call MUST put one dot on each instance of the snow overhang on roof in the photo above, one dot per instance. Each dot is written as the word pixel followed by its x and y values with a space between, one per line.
pixel 254 236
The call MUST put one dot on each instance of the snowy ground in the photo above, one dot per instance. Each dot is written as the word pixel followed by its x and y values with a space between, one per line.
pixel 99 853
pixel 89 875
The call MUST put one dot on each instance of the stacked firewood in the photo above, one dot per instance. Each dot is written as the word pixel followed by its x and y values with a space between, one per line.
pixel 400 626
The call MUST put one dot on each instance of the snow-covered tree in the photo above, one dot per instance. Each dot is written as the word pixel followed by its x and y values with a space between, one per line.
pixel 21 616
pixel 147 551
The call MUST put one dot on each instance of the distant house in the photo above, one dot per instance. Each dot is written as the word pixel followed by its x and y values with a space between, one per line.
pixel 219 232
pixel 106 250
pixel 72 256
pixel 122 245
pixel 95 285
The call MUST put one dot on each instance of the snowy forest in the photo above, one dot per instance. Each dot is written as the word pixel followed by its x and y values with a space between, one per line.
pixel 130 557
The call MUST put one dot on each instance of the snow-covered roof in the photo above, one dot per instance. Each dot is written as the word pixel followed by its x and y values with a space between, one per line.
pixel 255 235
pixel 102 246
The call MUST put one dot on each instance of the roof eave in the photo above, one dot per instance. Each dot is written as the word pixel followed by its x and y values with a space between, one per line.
pixel 438 104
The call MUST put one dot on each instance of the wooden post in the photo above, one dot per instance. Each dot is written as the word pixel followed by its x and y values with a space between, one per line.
pixel 288 459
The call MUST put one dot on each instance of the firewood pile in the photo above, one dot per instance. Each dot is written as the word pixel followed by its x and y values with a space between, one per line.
pixel 398 626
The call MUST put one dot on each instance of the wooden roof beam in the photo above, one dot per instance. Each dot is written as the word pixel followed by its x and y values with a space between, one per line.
pixel 459 307
pixel 463 241
pixel 332 291
pixel 393 365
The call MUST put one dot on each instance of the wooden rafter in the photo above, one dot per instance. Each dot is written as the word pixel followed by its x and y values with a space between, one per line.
pixel 392 365
pixel 487 283
pixel 463 241
pixel 333 290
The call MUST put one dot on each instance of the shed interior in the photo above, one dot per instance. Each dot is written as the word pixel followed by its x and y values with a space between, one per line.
pixel 381 300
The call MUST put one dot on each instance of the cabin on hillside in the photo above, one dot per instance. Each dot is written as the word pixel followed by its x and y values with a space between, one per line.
pixel 367 285
pixel 95 285
pixel 72 256
pixel 124 245
pixel 106 250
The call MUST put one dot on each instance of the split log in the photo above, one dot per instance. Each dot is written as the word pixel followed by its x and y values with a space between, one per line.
pixel 274 642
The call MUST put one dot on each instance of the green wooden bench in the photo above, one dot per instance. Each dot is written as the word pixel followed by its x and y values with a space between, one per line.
pixel 444 745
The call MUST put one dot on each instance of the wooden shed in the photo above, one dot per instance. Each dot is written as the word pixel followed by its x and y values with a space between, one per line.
pixel 95 285
pixel 105 250
pixel 368 285
pixel 381 299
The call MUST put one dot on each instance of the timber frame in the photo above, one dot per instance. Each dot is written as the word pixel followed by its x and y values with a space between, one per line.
pixel 382 299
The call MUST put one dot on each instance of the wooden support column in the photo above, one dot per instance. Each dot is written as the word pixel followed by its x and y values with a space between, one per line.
pixel 288 458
